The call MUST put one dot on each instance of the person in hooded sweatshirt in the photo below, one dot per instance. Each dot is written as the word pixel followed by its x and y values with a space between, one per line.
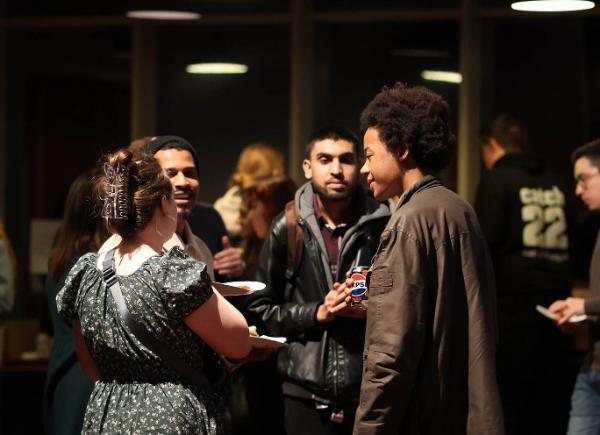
pixel 525 212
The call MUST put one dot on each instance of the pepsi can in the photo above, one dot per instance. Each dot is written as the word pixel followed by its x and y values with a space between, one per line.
pixel 360 292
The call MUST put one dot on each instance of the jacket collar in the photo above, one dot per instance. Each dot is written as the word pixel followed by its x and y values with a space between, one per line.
pixel 366 207
pixel 425 183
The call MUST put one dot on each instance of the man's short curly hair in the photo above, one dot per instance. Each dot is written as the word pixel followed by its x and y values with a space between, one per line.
pixel 415 117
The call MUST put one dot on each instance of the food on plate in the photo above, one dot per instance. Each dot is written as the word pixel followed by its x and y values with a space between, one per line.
pixel 266 342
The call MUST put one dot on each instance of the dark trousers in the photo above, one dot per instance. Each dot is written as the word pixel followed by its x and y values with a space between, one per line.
pixel 302 418
pixel 256 402
pixel 534 367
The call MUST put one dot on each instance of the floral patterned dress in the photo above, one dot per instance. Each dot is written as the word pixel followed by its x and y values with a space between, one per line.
pixel 138 393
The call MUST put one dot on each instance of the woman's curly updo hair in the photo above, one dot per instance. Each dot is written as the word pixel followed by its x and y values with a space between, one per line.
pixel 131 189
pixel 412 117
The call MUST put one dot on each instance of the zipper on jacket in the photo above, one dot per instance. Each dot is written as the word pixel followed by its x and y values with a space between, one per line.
pixel 335 369
pixel 341 274
pixel 343 249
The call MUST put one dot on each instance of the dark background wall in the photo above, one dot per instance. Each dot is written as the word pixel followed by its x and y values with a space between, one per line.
pixel 220 114
pixel 541 76
pixel 69 89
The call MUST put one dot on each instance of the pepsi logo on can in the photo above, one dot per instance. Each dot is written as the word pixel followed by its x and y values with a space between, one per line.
pixel 360 292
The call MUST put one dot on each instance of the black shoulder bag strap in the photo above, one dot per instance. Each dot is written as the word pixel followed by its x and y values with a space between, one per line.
pixel 158 347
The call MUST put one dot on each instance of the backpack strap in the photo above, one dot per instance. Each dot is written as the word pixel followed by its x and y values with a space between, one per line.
pixel 151 342
pixel 295 241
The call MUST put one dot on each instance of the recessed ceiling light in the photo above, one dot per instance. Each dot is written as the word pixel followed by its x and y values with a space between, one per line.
pixel 163 15
pixel 442 76
pixel 552 5
pixel 217 68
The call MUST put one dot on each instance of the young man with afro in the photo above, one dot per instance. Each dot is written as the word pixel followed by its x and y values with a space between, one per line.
pixel 431 328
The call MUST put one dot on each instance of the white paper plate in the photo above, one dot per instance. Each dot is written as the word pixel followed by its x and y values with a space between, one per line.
pixel 252 286
pixel 266 342
pixel 234 288
pixel 546 313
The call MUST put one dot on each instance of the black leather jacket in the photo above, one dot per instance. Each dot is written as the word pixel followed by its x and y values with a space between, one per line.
pixel 325 359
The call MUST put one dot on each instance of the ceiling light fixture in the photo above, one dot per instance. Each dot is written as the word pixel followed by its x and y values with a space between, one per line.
pixel 442 76
pixel 552 5
pixel 163 15
pixel 217 68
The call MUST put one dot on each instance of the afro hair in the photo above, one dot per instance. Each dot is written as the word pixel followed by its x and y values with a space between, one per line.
pixel 412 117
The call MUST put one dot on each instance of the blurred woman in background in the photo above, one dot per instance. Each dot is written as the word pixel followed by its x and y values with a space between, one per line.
pixel 67 388
pixel 261 204
pixel 258 161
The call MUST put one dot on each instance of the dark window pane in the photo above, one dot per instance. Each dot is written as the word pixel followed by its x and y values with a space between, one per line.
pixel 220 114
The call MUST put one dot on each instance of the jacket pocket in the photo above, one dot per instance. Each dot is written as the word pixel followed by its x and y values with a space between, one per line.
pixel 381 278
pixel 380 281
pixel 305 363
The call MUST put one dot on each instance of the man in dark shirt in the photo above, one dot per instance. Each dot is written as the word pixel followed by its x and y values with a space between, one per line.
pixel 206 223
pixel 524 212
pixel 321 366
pixel 179 160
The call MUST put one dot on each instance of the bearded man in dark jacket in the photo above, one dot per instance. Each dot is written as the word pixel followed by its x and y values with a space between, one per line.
pixel 322 364
pixel 525 212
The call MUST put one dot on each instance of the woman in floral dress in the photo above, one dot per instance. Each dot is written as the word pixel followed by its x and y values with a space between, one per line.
pixel 168 294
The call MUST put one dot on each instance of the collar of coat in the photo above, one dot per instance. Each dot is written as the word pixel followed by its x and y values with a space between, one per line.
pixel 425 183
pixel 366 208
